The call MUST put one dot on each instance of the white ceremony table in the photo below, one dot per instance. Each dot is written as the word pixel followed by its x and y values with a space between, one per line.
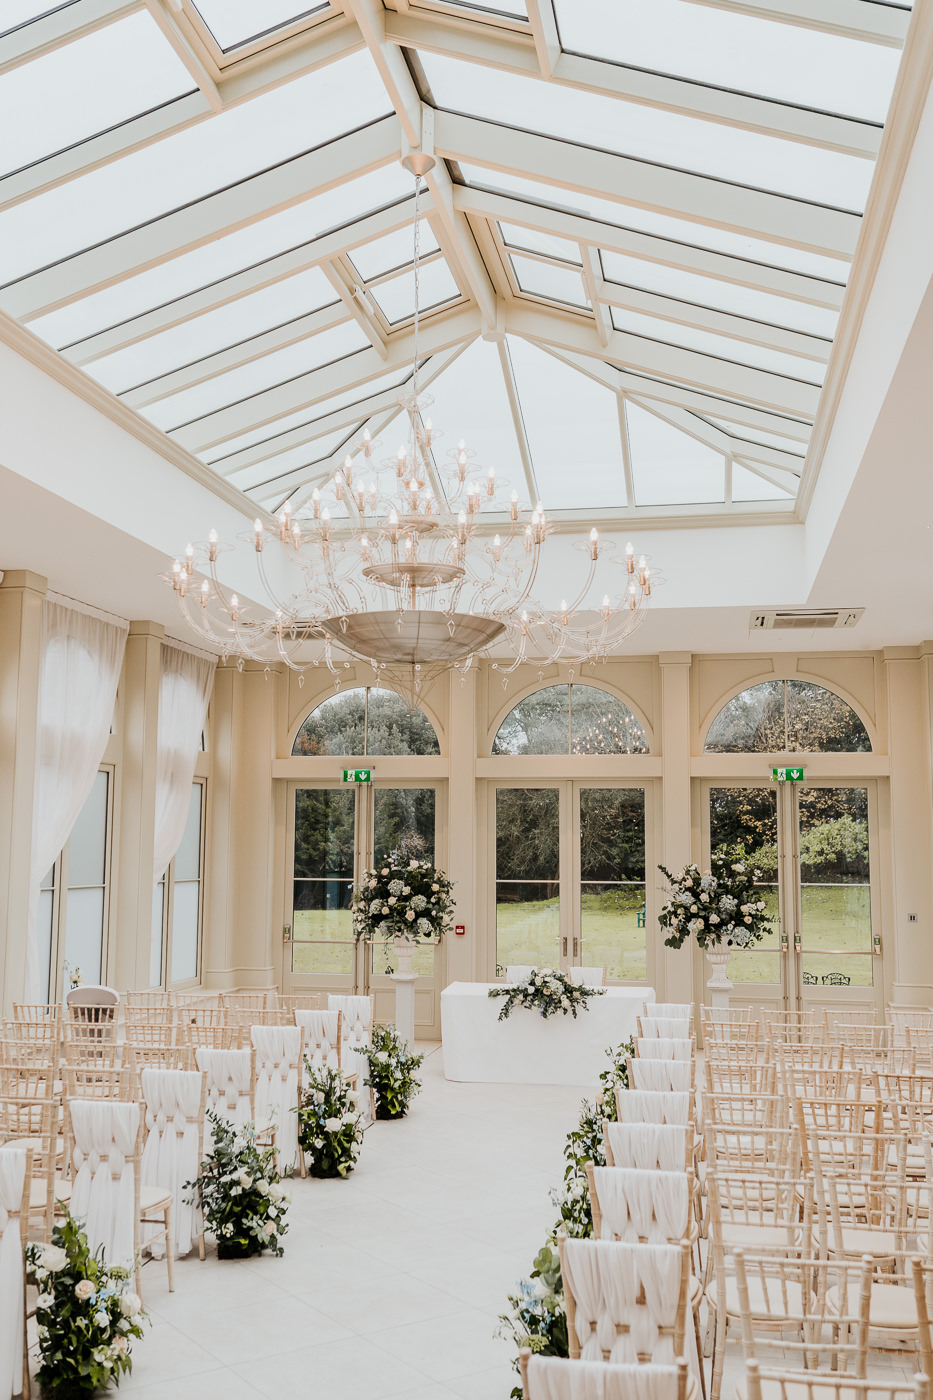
pixel 526 1048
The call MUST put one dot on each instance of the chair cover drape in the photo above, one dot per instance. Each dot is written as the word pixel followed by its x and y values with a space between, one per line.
pixel 651 1205
pixel 103 1192
pixel 229 1081
pixel 320 1028
pixel 681 1009
pixel 172 1152
pixel 12 1181
pixel 674 1027
pixel 355 1031
pixel 517 972
pixel 184 692
pixel 587 976
pixel 648 1146
pixel 553 1378
pixel 663 1076
pixel 663 1048
pixel 79 668
pixel 606 1280
pixel 654 1106
pixel 278 1076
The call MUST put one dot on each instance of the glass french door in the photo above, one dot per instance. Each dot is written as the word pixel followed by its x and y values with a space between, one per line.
pixel 812 845
pixel 335 834
pixel 570 885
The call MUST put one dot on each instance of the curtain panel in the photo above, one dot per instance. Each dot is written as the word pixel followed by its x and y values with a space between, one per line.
pixel 184 692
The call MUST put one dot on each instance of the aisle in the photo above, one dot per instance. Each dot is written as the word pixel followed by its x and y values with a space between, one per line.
pixel 391 1281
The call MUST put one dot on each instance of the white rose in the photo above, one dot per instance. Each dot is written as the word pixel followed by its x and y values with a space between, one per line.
pixel 130 1304
pixel 276 1192
pixel 45 1300
pixel 270 1228
pixel 332 1125
pixel 349 1118
pixel 409 914
pixel 385 871
pixel 262 1187
pixel 385 909
pixel 435 888
pixel 102 1319
pixel 382 1056
pixel 120 1344
pixel 84 1290
pixel 245 1180
pixel 53 1258
pixel 392 899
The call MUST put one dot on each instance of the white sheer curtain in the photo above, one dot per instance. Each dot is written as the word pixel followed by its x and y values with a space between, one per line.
pixel 80 663
pixel 184 692
pixel 12 1180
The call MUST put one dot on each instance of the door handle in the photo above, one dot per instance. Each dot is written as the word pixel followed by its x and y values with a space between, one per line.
pixel 287 934
pixel 564 941
pixel 576 947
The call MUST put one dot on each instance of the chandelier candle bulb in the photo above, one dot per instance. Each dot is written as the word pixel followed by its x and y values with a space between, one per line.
pixel 491 482
pixel 594 544
pixel 348 470
pixel 316 503
pixel 212 546
pixel 234 607
pixel 496 548
pixel 189 558
pixel 632 597
pixel 176 573
pixel 296 534
pixel 205 593
pixel 513 506
pixel 338 486
pixel 629 559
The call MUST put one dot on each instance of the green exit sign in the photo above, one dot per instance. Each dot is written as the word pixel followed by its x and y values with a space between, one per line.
pixel 788 775
pixel 357 775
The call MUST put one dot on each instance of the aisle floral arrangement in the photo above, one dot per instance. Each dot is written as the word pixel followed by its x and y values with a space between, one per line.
pixel 86 1315
pixel 330 1125
pixel 240 1192
pixel 720 908
pixel 547 991
pixel 537 1317
pixel 391 1072
pixel 402 898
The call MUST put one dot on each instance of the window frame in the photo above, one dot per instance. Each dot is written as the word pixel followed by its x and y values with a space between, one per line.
pixel 59 920
pixel 784 681
pixel 168 905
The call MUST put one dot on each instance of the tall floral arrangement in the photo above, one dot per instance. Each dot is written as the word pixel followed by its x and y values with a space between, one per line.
pixel 403 899
pixel 330 1125
pixel 721 908
pixel 537 1316
pixel 86 1315
pixel 240 1193
pixel 392 1075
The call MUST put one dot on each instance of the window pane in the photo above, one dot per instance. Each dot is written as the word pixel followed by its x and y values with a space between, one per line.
pixel 599 723
pixel 393 250
pixel 336 726
pixel 751 723
pixel 404 823
pixel 84 936
pixel 321 914
pixel 552 280
pixel 538 724
pixel 392 728
pixel 234 22
pixel 87 846
pixel 324 833
pixel 747 818
pixel 187 864
pixel 157 935
pixel 44 941
pixel 327 959
pixel 613 929
pixel 819 721
pixel 612 834
pixel 527 834
pixel 186 921
pixel 527 925
pixel 670 467
pixel 396 298
pixel 835 885
pixel 721 347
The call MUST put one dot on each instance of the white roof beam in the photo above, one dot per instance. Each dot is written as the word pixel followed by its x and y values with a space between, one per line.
pixel 875 23
pixel 774 478
pixel 358 307
pixel 61 26
pixel 683 194
pixel 715 437
pixel 666 361
pixel 518 420
pixel 437 333
pixel 595 234
pixel 198 63
pixel 199 223
pixel 521 53
pixel 543 23
pixel 626 454
pixel 592 280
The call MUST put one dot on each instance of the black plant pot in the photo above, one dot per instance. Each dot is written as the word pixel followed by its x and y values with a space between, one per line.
pixel 230 1249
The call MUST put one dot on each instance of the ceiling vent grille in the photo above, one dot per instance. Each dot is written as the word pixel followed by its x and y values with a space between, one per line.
pixel 803 619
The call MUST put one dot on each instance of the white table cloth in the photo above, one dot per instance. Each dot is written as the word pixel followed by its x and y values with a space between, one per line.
pixel 526 1048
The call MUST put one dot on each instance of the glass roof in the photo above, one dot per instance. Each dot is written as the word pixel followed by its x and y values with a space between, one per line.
pixel 633 264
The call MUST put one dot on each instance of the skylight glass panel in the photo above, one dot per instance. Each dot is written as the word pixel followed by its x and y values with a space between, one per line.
pixel 236 22
pixel 552 280
pixel 717 240
pixel 96 82
pixel 577 454
pixel 471 401
pixel 741 352
pixel 510 9
pixel 290 228
pixel 534 240
pixel 748 486
pixel 741 430
pixel 266 471
pixel 396 298
pixel 721 295
pixel 809 67
pixel 228 325
pixel 670 468
pixel 17 12
pixel 396 249
pixel 231 146
pixel 246 380
pixel 648 133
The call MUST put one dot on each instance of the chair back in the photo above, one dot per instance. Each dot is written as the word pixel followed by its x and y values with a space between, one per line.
pixel 37 1120
pixel 208 1026
pixel 556 1378
pixel 656 1047
pixel 778 1384
pixel 106 1145
pixel 654 1106
pixel 148 1001
pixel 139 1054
pixel 15 1184
pixel 231 1082
pixel 625 1302
pixel 670 1027
pixel 25 1078
pixel 664 1147
pixel 303 1002
pixel 100 1082
pixel 175 1102
pixel 323 1037
pixel 278 1052
pixel 517 972
pixel 90 1043
pixel 681 1010
pixel 588 976
pixel 662 1076
pixel 640 1207
pixel 93 996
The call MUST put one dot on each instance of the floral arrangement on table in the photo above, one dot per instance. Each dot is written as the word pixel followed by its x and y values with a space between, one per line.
pixel 86 1314
pixel 240 1192
pixel 408 899
pixel 547 991
pixel 391 1072
pixel 537 1317
pixel 330 1125
pixel 721 908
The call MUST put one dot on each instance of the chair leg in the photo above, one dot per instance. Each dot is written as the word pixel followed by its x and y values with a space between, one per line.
pixel 719 1354
pixel 170 1249
pixel 699 1345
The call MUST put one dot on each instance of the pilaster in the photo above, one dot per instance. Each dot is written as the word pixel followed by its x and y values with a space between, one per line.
pixel 465 956
pixel 908 944
pixel 675 965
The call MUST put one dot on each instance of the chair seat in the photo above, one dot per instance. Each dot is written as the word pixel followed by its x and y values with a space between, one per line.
pixel 891 1307
pixel 38 1192
pixel 763 1308
pixel 754 1235
pixel 863 1239
pixel 792 1390
pixel 153 1198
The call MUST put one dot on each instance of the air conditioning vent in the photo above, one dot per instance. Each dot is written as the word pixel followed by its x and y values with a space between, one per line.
pixel 806 619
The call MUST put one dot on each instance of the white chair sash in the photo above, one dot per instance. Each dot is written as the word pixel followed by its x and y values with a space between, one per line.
pixel 652 1206
pixel 12 1181
pixel 587 976
pixel 675 1027
pixel 648 1146
pixel 553 1378
pixel 171 1155
pixel 278 1076
pixel 103 1192
pixel 355 1032
pixel 663 1076
pixel 517 972
pixel 658 1047
pixel 606 1280
pixel 229 1081
pixel 320 1028
pixel 681 1009
pixel 654 1106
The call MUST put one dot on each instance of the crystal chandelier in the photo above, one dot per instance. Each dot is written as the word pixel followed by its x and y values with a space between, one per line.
pixel 414 565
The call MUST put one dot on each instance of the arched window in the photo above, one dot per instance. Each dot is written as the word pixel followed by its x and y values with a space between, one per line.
pixel 787 717
pixel 366 721
pixel 570 719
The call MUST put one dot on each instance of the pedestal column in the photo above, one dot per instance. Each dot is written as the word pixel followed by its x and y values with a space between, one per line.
pixel 676 826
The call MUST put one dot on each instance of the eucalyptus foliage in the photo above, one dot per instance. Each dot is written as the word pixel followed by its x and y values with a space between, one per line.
pixel 391 1072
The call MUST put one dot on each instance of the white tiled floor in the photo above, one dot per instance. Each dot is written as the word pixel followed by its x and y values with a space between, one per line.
pixel 392 1281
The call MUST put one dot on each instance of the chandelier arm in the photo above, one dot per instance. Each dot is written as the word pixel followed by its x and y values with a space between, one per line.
pixel 577 602
pixel 264 580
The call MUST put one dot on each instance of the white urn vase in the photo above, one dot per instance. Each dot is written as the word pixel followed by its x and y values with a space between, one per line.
pixel 719 985
pixel 404 951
